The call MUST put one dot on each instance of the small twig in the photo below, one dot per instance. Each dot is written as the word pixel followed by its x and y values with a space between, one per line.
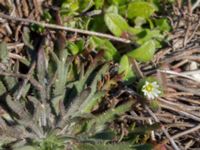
pixel 191 72
pixel 163 128
pixel 189 100
pixel 14 46
pixel 196 4
pixel 182 113
pixel 194 31
pixel 183 133
pixel 178 74
pixel 137 69
pixel 59 27
pixel 186 132
pixel 152 132
pixel 181 107
pixel 185 41
pixel 194 91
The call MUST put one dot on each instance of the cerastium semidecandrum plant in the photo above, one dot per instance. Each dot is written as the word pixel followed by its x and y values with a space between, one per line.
pixel 50 108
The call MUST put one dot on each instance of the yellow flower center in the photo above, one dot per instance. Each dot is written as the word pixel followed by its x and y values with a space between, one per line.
pixel 149 87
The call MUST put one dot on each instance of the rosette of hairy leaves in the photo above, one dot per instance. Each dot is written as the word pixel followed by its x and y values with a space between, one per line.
pixel 54 110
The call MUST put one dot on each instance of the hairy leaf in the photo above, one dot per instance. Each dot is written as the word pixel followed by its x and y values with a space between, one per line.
pixel 3 52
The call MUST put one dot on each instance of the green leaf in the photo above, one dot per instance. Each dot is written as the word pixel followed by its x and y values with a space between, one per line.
pixel 98 3
pixel 73 48
pixel 90 102
pixel 145 52
pixel 104 135
pixel 85 5
pixel 37 28
pixel 163 24
pixel 112 113
pixel 80 44
pixel 126 69
pixel 69 7
pixel 104 44
pixel 147 35
pixel 140 9
pixel 116 23
pixel 119 2
pixel 3 52
pixel 112 9
pixel 98 24
pixel 47 16
pixel 139 21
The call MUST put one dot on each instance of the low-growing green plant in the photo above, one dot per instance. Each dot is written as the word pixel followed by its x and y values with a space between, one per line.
pixel 132 19
pixel 52 108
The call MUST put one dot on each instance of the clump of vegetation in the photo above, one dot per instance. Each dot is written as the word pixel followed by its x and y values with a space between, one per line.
pixel 53 107
pixel 57 96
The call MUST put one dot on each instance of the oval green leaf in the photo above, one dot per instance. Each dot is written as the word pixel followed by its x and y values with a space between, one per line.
pixel 116 23
pixel 140 9
pixel 126 69
pixel 145 52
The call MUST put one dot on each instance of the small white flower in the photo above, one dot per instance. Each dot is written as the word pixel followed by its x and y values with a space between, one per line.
pixel 151 90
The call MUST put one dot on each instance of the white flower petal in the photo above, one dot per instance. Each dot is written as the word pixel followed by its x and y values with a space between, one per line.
pixel 153 92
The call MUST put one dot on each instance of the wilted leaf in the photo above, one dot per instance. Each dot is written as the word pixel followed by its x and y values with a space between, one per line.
pixel 116 23
pixel 145 52
pixel 140 9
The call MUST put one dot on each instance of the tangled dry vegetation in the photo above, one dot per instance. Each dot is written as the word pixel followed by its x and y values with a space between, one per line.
pixel 174 123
